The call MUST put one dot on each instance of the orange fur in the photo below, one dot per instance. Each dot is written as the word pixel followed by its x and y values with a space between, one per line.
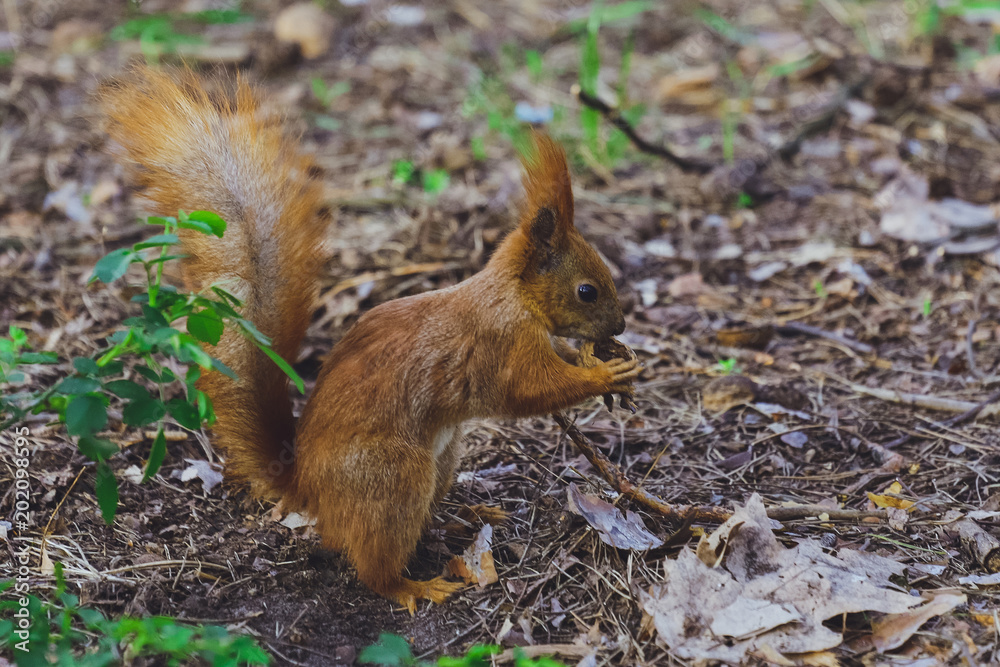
pixel 377 444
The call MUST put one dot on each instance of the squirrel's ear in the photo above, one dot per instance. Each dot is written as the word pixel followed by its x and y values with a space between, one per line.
pixel 547 212
pixel 541 232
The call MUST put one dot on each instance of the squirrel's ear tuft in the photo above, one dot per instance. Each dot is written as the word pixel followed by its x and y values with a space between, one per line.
pixel 546 187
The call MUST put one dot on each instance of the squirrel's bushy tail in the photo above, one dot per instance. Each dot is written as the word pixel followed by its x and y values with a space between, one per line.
pixel 193 149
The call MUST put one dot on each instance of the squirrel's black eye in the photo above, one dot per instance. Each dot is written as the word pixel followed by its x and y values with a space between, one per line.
pixel 587 293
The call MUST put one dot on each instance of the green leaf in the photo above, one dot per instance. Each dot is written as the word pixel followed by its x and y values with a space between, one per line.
pixel 18 336
pixel 216 225
pixel 185 413
pixel 189 351
pixel 154 318
pixel 224 369
pixel 156 455
pixel 231 299
pixel 126 389
pixel 205 411
pixel 106 489
pixel 85 414
pixel 157 241
pixel 391 650
pixel 533 59
pixel 38 358
pixel 148 373
pixel 113 266
pixel 206 326
pixel 289 371
pixel 167 222
pixel 86 366
pixel 402 171
pixel 96 449
pixel 435 181
pixel 77 385
pixel 111 368
pixel 249 328
pixel 92 618
pixel 142 411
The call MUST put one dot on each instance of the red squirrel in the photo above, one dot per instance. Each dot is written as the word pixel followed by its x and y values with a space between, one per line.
pixel 377 444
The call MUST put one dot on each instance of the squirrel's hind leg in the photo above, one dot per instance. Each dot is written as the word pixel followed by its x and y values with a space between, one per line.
pixel 392 488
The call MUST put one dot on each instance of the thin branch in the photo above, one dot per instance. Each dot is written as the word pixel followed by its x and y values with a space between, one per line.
pixel 614 117
pixel 809 330
pixel 613 475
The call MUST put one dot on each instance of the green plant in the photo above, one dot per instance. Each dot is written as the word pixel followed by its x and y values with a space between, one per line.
pixel 161 34
pixel 327 94
pixel 819 288
pixel 6 58
pixel 394 651
pixel 928 306
pixel 533 61
pixel 488 96
pixel 59 631
pixel 15 352
pixel 435 180
pixel 728 366
pixel 161 358
pixel 611 150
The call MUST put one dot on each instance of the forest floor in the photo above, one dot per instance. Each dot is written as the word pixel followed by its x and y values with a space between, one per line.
pixel 839 250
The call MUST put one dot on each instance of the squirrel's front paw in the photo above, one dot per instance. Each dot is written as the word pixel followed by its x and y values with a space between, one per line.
pixel 619 374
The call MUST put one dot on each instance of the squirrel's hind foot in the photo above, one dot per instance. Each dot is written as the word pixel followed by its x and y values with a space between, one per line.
pixel 436 590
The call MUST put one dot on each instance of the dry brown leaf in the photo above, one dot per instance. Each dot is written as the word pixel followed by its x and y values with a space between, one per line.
pixel 765 594
pixel 893 630
pixel 622 532
pixel 476 565
pixel 728 391
pixel 307 25
pixel 818 659
pixel 690 86
pixel 687 284
pixel 888 497
pixel 745 336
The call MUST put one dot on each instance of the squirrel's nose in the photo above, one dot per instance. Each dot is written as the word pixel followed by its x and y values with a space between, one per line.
pixel 619 326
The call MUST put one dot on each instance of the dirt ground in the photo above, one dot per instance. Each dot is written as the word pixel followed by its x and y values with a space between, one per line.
pixel 777 264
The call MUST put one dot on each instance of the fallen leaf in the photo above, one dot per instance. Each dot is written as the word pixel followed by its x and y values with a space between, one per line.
pixel 888 497
pixel 728 391
pixel 475 565
pixel 687 284
pixel 199 469
pixel 691 86
pixel 622 532
pixel 781 597
pixel 892 631
pixel 295 520
pixel 307 25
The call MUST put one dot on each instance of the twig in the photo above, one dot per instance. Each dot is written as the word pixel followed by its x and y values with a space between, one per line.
pixel 969 353
pixel 613 475
pixel 615 118
pixel 809 330
pixel 974 411
pixel 921 400
pixel 981 545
